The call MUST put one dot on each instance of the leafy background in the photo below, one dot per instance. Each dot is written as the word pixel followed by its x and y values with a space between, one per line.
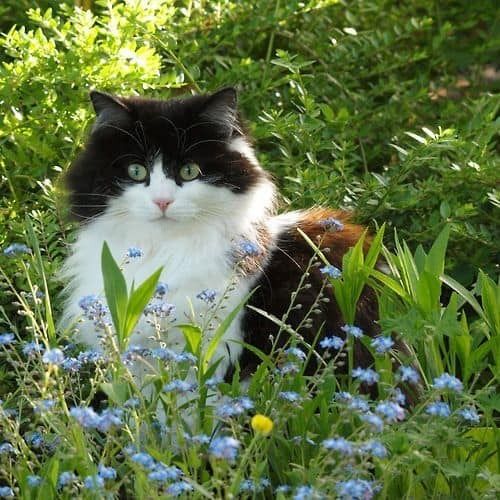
pixel 386 108
pixel 336 94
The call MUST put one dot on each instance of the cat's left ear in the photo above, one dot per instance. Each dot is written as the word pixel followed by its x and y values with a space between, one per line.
pixel 108 108
pixel 221 108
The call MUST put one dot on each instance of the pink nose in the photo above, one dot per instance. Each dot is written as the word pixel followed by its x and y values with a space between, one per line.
pixel 162 203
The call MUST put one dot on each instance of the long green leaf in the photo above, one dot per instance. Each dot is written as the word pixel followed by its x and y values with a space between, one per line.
pixel 212 345
pixel 193 335
pixel 115 289
pixel 138 301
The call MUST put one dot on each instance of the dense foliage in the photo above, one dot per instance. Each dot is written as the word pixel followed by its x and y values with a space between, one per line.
pixel 387 108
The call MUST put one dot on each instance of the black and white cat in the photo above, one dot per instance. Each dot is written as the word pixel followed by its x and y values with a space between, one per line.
pixel 179 179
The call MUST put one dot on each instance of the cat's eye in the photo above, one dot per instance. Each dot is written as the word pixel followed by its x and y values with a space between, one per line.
pixel 137 172
pixel 189 171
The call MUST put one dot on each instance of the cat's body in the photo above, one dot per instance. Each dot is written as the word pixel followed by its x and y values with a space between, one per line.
pixel 179 180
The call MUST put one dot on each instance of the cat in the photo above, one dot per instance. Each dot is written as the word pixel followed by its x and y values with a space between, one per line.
pixel 180 180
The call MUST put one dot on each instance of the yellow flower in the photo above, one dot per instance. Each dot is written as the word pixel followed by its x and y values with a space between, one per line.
pixel 262 424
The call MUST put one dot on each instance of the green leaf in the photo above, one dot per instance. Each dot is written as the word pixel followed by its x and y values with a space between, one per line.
pixel 118 392
pixel 193 335
pixel 435 260
pixel 138 300
pixel 490 299
pixel 212 345
pixel 115 289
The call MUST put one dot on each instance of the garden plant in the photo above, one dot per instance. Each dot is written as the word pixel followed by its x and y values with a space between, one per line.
pixel 387 109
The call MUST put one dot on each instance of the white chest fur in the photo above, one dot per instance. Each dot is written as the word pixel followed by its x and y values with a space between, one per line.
pixel 192 259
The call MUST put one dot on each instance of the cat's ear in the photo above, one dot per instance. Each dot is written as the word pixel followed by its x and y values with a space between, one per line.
pixel 108 108
pixel 221 108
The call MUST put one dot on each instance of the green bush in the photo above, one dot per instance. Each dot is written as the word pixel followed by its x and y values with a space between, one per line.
pixel 386 108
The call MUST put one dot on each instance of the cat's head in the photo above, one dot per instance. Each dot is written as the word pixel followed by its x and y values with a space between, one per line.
pixel 167 162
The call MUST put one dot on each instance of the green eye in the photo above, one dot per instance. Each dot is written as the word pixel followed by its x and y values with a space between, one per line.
pixel 137 172
pixel 189 171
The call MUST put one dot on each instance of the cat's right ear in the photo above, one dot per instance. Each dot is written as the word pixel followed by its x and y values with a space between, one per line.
pixel 108 108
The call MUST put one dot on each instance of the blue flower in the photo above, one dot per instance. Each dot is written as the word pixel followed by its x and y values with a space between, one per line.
pixel 288 369
pixel 213 382
pixel 161 289
pixel 7 449
pixel 30 349
pixel 91 356
pixel 352 330
pixel 295 352
pixel 6 491
pixel 7 338
pixel 179 386
pixel 355 489
pixel 107 473
pixel 159 308
pixel 132 403
pixel 93 483
pixel 197 439
pixel 53 356
pixel 374 448
pixel 374 421
pixel 44 405
pixel 34 439
pixel 66 478
pixel 397 396
pixel 72 365
pixel 250 486
pixel 408 374
pixel 290 396
pixel 358 404
pixel 306 493
pixel 177 489
pixel 162 473
pixel 366 375
pixel 331 224
pixel 207 295
pixel 390 411
pixel 469 415
pixel 89 419
pixel 144 459
pixel 438 409
pixel 331 271
pixel 110 417
pixel 447 381
pixel 340 445
pixel 95 310
pixel 34 480
pixel 332 342
pixel 248 248
pixel 166 354
pixel 86 417
pixel 382 344
pixel 355 403
pixel 133 353
pixel 343 396
pixel 16 249
pixel 134 253
pixel 234 407
pixel 225 448
pixel 185 357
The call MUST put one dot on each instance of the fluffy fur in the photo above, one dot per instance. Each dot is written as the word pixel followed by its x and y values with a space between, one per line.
pixel 197 239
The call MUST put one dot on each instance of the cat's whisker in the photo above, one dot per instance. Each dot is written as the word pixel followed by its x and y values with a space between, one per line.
pixel 126 155
pixel 140 128
pixel 203 142
pixel 197 124
pixel 176 130
pixel 141 146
